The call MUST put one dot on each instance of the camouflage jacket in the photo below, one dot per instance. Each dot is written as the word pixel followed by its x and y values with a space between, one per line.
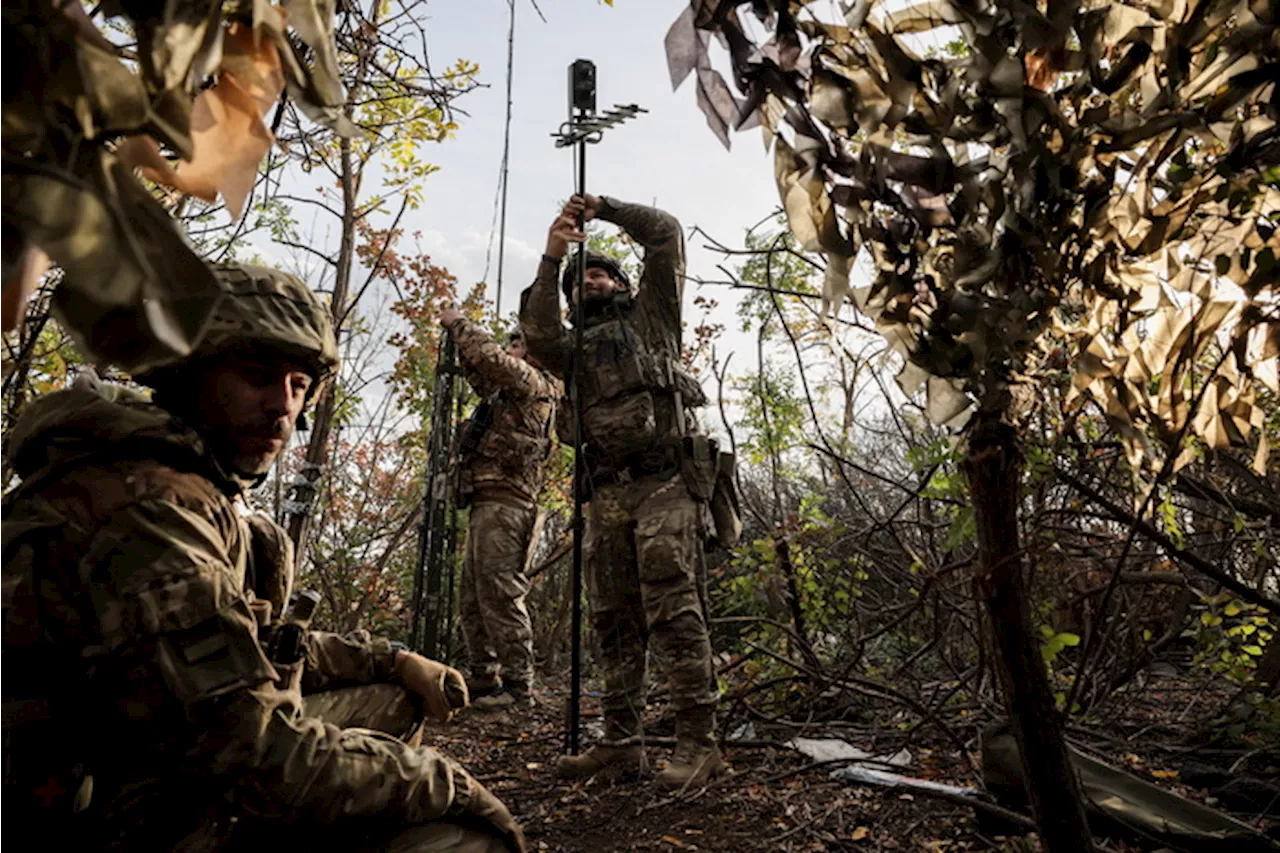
pixel 132 652
pixel 619 421
pixel 512 454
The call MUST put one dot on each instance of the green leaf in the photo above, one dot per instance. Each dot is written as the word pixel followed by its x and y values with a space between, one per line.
pixel 1253 650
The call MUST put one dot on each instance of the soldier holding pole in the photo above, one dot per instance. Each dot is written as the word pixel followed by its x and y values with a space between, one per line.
pixel 651 472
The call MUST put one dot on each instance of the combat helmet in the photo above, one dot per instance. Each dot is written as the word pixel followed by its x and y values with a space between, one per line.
pixel 594 259
pixel 264 310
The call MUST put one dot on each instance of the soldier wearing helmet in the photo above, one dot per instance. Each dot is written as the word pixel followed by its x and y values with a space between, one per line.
pixel 651 475
pixel 504 449
pixel 160 691
pixel 604 276
pixel 264 357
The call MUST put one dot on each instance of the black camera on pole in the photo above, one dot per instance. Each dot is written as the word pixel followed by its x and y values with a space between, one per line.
pixel 582 86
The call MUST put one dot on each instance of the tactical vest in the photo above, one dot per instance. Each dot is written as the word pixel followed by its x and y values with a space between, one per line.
pixel 633 400
pixel 53 760
pixel 512 449
pixel 496 449
pixel 45 780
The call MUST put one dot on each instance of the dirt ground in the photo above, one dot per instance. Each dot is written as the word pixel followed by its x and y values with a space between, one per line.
pixel 773 799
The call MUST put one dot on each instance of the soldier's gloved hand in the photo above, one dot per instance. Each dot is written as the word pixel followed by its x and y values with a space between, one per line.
pixel 481 806
pixel 442 688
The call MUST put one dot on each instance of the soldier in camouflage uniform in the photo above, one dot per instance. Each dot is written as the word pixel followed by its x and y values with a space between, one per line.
pixel 505 447
pixel 152 699
pixel 651 473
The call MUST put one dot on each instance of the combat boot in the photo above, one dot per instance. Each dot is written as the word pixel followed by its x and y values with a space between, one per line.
pixel 697 759
pixel 513 697
pixel 695 763
pixel 479 687
pixel 626 760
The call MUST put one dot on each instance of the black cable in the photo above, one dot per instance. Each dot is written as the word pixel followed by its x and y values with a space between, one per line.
pixel 500 196
pixel 506 157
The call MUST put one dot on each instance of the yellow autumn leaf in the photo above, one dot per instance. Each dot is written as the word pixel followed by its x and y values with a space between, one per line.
pixel 860 833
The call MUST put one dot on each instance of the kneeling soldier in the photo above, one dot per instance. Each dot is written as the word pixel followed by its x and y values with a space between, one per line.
pixel 153 693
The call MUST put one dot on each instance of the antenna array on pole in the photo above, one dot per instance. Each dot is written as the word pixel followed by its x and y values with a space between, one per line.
pixel 590 128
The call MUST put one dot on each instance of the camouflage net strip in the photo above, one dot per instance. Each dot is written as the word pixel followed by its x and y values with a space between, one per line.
pixel 1092 174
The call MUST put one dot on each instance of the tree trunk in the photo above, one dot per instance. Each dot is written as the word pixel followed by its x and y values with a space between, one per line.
pixel 783 550
pixel 304 486
pixel 993 467
pixel 1267 674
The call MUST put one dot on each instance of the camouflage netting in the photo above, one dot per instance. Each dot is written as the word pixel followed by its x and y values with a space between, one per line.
pixel 78 117
pixel 994 162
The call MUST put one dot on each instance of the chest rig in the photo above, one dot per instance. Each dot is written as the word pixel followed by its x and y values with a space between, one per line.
pixel 512 446
pixel 634 400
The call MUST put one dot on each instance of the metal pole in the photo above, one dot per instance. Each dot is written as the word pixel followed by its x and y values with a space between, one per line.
pixel 584 126
pixel 451 540
pixel 579 467
pixel 427 615
pixel 417 630
pixel 419 569
pixel 506 157
pixel 431 604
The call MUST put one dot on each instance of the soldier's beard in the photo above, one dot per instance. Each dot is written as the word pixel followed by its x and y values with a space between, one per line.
pixel 250 452
pixel 596 306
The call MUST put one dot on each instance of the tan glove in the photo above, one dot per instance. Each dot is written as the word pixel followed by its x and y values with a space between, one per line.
pixel 478 805
pixel 442 688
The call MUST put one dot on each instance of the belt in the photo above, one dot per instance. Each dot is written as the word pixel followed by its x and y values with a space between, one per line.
pixel 661 461
pixel 498 493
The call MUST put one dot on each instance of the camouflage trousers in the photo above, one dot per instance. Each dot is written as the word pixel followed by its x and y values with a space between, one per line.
pixel 386 708
pixel 495 622
pixel 391 709
pixel 644 570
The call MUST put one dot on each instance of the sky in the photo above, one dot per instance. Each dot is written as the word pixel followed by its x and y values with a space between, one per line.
pixel 666 157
